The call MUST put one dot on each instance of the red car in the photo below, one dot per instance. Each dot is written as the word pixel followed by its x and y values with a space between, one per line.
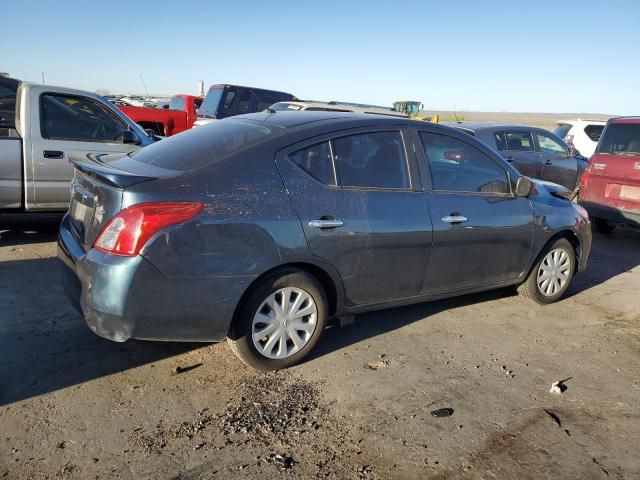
pixel 610 188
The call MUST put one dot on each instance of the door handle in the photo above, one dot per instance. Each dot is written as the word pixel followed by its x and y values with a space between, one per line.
pixel 326 223
pixel 53 154
pixel 454 218
pixel 548 162
pixel 509 159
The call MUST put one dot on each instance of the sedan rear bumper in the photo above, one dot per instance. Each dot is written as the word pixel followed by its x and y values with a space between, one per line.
pixel 127 297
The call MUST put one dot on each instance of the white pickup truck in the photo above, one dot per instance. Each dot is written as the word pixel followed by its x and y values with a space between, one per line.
pixel 41 128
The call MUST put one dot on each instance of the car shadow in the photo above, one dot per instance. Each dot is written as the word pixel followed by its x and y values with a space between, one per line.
pixel 45 343
pixel 612 254
pixel 23 230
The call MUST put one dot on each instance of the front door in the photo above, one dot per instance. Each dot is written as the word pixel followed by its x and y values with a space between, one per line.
pixel 517 148
pixel 482 233
pixel 557 165
pixel 70 126
pixel 360 212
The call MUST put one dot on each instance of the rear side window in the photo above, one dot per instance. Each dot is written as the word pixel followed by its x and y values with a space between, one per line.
pixel 316 161
pixel 456 166
pixel 211 102
pixel 177 103
pixel 70 117
pixel 518 141
pixel 621 139
pixel 200 147
pixel 244 101
pixel 593 131
pixel 228 103
pixel 562 129
pixel 8 92
pixel 374 159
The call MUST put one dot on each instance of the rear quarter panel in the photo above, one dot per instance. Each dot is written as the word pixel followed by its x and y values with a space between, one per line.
pixel 613 181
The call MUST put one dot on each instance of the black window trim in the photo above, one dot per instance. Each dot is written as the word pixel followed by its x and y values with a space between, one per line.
pixel 425 172
pixel 82 97
pixel 405 134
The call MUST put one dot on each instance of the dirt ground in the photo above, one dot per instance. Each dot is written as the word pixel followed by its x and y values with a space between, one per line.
pixel 75 406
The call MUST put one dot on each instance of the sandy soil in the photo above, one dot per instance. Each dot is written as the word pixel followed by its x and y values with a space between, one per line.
pixel 75 406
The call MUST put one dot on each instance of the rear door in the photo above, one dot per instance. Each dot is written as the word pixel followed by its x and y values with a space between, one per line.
pixel 517 147
pixel 614 178
pixel 482 233
pixel 65 126
pixel 558 166
pixel 361 209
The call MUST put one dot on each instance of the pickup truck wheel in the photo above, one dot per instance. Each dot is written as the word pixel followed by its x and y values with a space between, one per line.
pixel 551 275
pixel 601 225
pixel 280 321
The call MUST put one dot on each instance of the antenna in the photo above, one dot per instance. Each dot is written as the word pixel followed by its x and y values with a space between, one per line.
pixel 144 85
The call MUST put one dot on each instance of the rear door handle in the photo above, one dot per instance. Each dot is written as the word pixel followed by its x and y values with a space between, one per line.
pixel 509 159
pixel 548 162
pixel 53 154
pixel 454 218
pixel 326 223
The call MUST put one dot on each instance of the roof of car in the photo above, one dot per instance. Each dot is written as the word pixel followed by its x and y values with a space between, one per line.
pixel 625 120
pixel 581 120
pixel 288 120
pixel 345 107
pixel 476 126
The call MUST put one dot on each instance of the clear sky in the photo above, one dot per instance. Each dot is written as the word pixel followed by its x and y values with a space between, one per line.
pixel 489 55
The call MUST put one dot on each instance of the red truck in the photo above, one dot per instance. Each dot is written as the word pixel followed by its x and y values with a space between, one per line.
pixel 178 117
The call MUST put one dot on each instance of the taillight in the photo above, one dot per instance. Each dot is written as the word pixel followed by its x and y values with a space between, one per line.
pixel 131 228
pixel 585 179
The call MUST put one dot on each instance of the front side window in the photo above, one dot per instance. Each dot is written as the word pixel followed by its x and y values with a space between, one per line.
pixel 518 141
pixel 549 145
pixel 458 167
pixel 66 117
pixel 316 161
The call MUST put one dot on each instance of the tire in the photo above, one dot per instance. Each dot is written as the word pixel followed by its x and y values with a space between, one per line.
pixel 601 225
pixel 277 348
pixel 545 293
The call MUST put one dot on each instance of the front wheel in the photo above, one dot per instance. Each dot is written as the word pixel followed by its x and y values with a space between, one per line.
pixel 550 277
pixel 280 321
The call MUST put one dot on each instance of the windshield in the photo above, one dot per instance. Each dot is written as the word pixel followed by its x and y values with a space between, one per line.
pixel 621 139
pixel 562 129
pixel 211 102
pixel 200 147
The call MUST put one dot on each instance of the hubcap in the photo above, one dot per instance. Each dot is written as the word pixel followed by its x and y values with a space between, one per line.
pixel 284 323
pixel 553 273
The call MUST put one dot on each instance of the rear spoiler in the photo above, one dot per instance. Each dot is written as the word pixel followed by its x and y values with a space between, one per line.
pixel 114 177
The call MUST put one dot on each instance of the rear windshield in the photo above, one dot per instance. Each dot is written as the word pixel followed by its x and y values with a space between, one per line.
pixel 177 103
pixel 562 129
pixel 621 139
pixel 205 145
pixel 210 104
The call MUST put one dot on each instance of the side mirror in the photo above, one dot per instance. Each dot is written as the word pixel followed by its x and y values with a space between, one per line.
pixel 524 186
pixel 129 137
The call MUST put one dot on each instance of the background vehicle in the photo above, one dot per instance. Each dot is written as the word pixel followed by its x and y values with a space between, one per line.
pixel 611 185
pixel 313 106
pixel 535 152
pixel 410 108
pixel 204 236
pixel 224 101
pixel 50 126
pixel 583 135
pixel 179 115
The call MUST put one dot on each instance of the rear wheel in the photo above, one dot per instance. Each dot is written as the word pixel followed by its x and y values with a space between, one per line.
pixel 280 321
pixel 550 277
pixel 601 225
